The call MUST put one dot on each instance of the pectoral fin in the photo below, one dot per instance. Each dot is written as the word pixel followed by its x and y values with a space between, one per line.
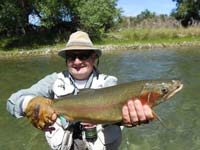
pixel 157 117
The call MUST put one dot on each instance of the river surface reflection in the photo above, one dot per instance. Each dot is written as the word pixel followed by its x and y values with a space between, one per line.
pixel 181 115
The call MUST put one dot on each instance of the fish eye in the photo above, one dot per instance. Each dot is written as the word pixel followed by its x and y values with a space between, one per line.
pixel 164 90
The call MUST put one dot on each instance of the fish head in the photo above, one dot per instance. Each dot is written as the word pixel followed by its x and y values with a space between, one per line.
pixel 169 89
pixel 157 91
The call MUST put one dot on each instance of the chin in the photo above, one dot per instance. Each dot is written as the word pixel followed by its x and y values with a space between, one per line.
pixel 81 74
pixel 80 77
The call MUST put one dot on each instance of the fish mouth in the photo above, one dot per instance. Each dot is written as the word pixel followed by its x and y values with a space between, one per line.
pixel 178 88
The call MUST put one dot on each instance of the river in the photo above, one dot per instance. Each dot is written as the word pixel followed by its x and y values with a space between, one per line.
pixel 180 115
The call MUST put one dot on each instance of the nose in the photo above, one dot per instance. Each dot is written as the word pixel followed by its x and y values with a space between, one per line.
pixel 77 60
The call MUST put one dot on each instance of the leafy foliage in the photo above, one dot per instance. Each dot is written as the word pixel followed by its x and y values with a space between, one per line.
pixel 146 14
pixel 187 11
pixel 98 18
pixel 93 16
pixel 10 16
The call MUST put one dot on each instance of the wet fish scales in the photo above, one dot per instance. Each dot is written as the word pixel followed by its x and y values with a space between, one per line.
pixel 104 105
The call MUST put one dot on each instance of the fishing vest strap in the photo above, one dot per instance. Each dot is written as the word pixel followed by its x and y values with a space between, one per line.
pixel 87 85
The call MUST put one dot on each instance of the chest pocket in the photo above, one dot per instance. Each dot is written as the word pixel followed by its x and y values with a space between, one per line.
pixel 62 87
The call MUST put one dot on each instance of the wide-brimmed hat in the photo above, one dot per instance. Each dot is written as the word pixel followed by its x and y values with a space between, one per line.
pixel 79 41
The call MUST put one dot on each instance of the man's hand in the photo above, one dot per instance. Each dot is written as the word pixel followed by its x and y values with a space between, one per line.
pixel 40 113
pixel 135 113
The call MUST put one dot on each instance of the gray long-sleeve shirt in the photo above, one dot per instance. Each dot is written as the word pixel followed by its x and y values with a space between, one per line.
pixel 48 87
pixel 41 88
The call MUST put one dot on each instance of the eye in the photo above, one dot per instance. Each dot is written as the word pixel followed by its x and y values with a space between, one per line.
pixel 164 91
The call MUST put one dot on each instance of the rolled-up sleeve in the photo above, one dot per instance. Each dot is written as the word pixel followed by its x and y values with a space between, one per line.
pixel 41 88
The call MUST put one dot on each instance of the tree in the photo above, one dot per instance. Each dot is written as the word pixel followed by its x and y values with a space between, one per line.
pixel 97 16
pixel 10 16
pixel 92 16
pixel 146 14
pixel 187 11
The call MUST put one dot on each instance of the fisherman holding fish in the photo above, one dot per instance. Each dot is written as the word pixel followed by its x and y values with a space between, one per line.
pixel 35 103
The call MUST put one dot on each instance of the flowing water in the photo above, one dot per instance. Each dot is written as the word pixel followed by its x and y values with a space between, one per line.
pixel 180 115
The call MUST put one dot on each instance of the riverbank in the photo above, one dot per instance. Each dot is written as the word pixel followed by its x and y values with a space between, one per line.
pixel 104 48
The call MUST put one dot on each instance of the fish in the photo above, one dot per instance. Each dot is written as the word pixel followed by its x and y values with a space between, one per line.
pixel 104 106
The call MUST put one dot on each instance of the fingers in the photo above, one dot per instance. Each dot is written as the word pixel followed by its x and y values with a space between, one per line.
pixel 40 113
pixel 135 113
pixel 148 112
pixel 48 119
pixel 139 111
pixel 54 117
pixel 125 112
pixel 45 121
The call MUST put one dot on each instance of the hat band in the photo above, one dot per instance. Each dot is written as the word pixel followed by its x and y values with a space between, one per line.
pixel 79 44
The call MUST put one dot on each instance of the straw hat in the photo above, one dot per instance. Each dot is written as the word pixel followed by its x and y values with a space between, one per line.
pixel 79 41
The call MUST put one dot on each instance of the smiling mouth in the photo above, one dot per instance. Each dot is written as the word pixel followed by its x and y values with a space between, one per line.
pixel 78 67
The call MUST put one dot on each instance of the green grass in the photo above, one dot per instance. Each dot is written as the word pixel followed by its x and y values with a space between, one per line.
pixel 53 41
pixel 160 35
pixel 32 42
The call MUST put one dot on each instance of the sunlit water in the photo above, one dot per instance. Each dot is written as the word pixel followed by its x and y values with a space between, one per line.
pixel 181 115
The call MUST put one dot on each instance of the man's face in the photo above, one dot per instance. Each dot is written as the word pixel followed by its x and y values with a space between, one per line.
pixel 80 63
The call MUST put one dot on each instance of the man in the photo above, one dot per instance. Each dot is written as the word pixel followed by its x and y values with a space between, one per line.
pixel 35 103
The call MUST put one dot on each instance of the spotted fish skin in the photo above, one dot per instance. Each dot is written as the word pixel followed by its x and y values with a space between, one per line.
pixel 103 106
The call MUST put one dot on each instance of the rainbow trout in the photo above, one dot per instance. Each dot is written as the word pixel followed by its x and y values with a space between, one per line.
pixel 104 105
